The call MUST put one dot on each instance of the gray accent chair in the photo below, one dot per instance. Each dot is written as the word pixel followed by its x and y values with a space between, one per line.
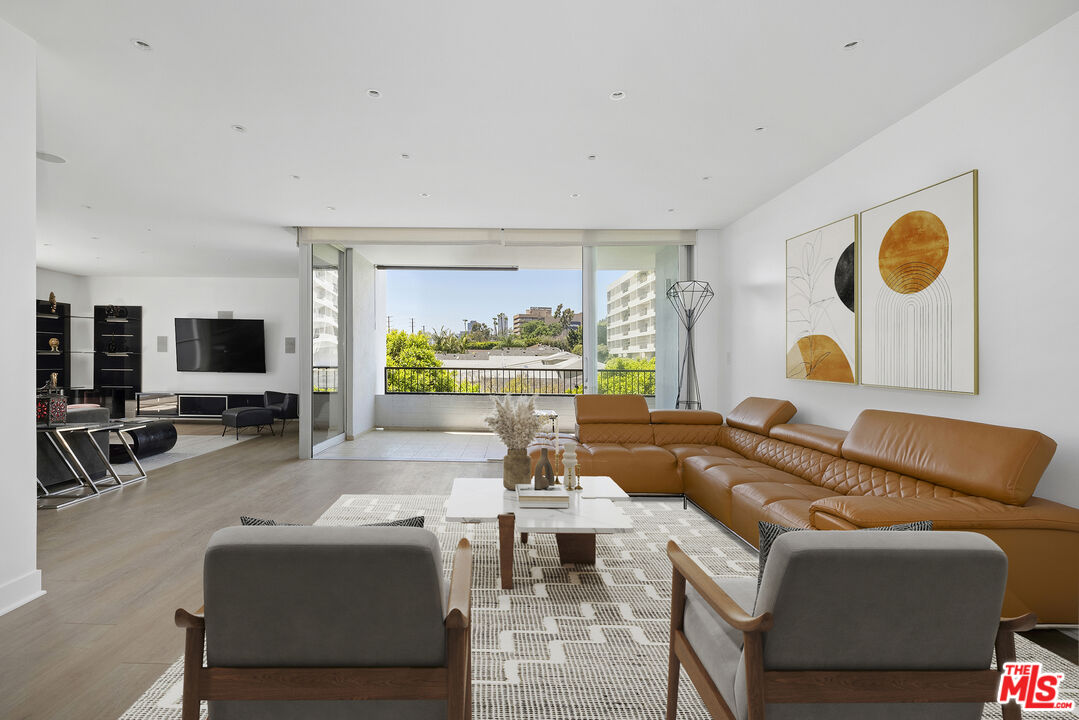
pixel 330 623
pixel 847 625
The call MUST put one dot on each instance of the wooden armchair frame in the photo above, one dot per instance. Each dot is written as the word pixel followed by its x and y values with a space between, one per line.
pixel 452 682
pixel 822 686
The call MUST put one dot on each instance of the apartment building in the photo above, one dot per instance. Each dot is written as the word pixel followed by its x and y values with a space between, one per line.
pixel 631 315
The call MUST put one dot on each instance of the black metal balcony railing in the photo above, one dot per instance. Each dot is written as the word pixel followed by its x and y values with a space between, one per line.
pixel 531 381
pixel 324 378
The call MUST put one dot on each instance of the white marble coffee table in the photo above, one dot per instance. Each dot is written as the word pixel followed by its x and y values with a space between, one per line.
pixel 475 500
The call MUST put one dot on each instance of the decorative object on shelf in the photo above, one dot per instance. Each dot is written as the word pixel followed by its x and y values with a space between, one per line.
pixel 544 477
pixel 569 465
pixel 110 311
pixel 689 298
pixel 516 424
pixel 821 303
pixel 52 302
pixel 121 311
pixel 919 279
pixel 54 345
pixel 51 403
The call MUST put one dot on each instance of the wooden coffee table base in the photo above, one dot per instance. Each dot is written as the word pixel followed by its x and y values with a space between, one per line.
pixel 572 548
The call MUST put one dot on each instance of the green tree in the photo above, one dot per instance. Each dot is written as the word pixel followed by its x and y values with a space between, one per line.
pixel 628 383
pixel 404 350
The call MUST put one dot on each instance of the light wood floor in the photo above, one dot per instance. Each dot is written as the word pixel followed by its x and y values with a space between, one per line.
pixel 116 568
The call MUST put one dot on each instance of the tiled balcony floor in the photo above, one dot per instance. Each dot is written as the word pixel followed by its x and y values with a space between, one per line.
pixel 428 445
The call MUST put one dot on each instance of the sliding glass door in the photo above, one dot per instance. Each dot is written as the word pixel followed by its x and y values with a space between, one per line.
pixel 328 349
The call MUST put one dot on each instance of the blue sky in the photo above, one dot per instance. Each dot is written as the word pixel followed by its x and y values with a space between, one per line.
pixel 437 298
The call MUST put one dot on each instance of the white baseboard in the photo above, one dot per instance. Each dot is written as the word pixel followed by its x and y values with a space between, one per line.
pixel 16 593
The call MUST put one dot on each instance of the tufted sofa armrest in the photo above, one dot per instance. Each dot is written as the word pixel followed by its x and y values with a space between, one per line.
pixel 955 513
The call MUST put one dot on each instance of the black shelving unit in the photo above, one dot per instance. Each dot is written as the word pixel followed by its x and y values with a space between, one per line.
pixel 118 353
pixel 53 325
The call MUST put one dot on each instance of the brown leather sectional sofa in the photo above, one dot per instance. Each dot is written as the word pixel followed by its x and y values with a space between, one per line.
pixel 889 468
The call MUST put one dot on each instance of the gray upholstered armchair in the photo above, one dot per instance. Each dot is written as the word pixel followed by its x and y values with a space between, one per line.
pixel 847 624
pixel 330 622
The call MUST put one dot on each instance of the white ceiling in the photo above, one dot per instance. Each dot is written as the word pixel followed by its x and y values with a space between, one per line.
pixel 498 104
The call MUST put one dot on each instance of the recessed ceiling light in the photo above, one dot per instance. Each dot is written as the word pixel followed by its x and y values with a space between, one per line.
pixel 50 158
pixel 618 95
pixel 591 157
pixel 670 209
pixel 759 128
pixel 374 93
pixel 425 195
pixel 706 178
pixel 405 156
pixel 575 195
pixel 852 44
pixel 88 207
pixel 330 207
pixel 294 177
pixel 142 45
pixel 239 128
pixel 94 237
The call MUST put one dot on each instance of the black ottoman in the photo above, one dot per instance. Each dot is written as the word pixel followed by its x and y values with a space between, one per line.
pixel 154 438
pixel 242 417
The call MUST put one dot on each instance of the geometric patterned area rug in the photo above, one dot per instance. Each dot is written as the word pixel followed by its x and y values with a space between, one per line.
pixel 571 642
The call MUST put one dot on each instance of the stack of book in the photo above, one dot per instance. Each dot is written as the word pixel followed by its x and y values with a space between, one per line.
pixel 556 498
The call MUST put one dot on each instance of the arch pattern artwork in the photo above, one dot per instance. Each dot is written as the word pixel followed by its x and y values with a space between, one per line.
pixel 919 327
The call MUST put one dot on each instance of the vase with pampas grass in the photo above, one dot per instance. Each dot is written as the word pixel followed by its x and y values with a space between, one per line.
pixel 516 424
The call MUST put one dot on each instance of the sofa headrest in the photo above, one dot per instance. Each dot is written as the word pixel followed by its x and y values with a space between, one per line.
pixel 760 415
pixel 611 409
pixel 992 461
pixel 686 417
pixel 818 437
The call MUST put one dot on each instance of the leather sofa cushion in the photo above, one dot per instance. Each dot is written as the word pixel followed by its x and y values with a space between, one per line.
pixel 955 513
pixel 818 437
pixel 685 434
pixel 991 461
pixel 686 417
pixel 760 415
pixel 804 462
pixel 852 478
pixel 626 433
pixel 763 493
pixel 636 468
pixel 792 512
pixel 742 442
pixel 611 409
pixel 683 452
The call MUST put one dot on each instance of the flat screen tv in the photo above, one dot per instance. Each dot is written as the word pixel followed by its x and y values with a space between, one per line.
pixel 216 345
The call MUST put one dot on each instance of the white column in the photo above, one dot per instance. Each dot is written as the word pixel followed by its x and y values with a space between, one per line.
pixel 20 580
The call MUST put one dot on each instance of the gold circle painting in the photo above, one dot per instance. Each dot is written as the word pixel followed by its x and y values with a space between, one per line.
pixel 818 357
pixel 913 252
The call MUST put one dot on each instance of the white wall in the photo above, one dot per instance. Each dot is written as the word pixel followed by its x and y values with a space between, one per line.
pixel 1016 122
pixel 20 580
pixel 274 300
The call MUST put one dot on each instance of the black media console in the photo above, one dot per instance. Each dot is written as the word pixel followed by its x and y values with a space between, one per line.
pixel 192 405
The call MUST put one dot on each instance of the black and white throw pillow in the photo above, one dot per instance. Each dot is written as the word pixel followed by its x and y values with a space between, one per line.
pixel 770 532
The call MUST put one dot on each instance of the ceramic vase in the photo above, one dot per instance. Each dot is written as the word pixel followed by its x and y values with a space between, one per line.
pixel 544 471
pixel 515 468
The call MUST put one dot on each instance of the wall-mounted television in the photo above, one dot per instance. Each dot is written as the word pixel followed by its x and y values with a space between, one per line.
pixel 218 345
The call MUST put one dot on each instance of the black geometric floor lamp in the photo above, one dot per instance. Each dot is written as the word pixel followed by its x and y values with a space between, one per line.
pixel 689 298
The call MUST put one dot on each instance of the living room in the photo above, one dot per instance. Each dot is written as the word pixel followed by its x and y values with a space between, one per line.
pixel 192 168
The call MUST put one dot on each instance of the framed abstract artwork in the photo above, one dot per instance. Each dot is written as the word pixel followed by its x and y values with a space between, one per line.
pixel 822 342
pixel 919 289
